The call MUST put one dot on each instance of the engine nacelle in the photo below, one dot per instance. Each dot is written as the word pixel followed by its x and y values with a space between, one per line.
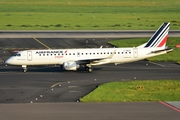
pixel 70 65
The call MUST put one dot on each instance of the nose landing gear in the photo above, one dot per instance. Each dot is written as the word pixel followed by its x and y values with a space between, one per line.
pixel 24 68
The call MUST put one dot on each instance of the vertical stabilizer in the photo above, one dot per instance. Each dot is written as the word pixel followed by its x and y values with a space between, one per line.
pixel 158 40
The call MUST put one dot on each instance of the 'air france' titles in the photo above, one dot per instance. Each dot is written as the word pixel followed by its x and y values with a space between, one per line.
pixel 49 52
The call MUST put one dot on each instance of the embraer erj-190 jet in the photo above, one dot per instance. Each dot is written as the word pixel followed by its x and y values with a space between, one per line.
pixel 72 59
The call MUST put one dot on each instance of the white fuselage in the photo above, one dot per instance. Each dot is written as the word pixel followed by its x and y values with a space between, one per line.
pixel 59 56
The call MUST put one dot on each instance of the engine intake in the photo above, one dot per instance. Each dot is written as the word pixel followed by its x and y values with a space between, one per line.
pixel 70 65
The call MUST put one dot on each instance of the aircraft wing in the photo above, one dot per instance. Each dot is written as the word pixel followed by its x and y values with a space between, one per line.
pixel 93 61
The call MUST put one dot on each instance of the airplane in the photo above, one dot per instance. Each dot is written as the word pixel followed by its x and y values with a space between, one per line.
pixel 72 59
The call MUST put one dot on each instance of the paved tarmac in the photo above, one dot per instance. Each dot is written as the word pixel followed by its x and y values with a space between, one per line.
pixel 81 33
pixel 51 93
pixel 88 111
pixel 57 85
pixel 48 92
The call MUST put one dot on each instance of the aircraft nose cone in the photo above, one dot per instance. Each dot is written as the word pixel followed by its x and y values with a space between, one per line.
pixel 8 61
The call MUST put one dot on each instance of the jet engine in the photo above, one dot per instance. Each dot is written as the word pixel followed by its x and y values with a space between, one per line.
pixel 70 65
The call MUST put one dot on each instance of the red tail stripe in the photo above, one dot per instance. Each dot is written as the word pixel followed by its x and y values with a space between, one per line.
pixel 163 41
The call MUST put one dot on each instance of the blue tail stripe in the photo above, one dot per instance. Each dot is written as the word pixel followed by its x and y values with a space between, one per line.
pixel 156 34
pixel 159 37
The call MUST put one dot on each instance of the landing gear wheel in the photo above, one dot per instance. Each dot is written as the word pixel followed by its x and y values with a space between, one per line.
pixel 25 70
pixel 90 70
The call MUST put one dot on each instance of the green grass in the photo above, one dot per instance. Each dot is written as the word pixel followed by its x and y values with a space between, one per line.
pixel 90 15
pixel 171 43
pixel 144 90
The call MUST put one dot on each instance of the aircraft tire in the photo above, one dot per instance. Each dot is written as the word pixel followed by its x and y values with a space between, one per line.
pixel 90 70
pixel 25 70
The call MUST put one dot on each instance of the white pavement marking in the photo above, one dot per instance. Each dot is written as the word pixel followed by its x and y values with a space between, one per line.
pixel 57 84
pixel 157 64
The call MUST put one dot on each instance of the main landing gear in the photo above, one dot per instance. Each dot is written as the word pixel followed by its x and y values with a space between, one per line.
pixel 24 68
pixel 88 68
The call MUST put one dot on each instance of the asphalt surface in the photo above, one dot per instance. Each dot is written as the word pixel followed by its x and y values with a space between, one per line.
pixel 82 33
pixel 57 85
pixel 48 92
pixel 88 111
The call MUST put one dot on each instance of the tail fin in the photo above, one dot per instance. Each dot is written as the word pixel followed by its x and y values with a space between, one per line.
pixel 158 40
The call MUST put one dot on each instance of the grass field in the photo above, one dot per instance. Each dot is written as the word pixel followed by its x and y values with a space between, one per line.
pixel 89 15
pixel 129 91
pixel 173 56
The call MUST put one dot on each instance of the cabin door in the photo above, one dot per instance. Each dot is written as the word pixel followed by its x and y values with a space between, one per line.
pixel 78 54
pixel 29 55
pixel 135 52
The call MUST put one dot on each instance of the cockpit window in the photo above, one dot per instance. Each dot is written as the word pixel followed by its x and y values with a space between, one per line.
pixel 18 55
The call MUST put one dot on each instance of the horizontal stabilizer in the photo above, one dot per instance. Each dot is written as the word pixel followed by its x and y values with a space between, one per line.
pixel 167 50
